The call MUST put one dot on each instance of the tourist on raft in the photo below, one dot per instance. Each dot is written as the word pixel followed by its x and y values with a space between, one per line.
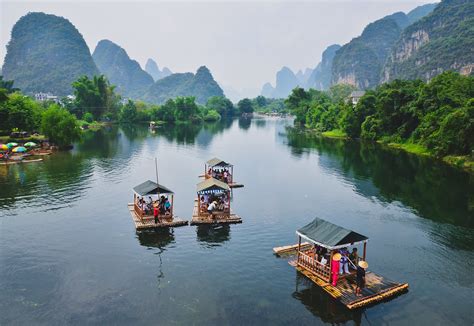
pixel 335 268
pixel 360 279
pixel 344 262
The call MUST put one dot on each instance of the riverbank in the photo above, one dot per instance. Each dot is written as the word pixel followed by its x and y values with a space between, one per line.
pixel 464 162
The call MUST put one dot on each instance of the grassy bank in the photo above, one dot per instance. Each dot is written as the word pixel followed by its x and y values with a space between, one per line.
pixel 7 139
pixel 94 125
pixel 336 133
pixel 465 162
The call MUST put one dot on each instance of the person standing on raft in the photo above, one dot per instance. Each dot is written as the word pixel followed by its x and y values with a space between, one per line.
pixel 335 268
pixel 362 266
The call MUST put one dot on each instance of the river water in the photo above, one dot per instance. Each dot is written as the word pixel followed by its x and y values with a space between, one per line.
pixel 69 253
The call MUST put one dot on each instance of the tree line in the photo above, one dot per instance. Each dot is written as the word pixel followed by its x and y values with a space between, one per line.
pixel 437 116
pixel 95 100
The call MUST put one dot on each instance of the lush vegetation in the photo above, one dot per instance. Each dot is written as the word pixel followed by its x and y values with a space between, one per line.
pixel 445 41
pixel 60 126
pixel 265 105
pixel 21 113
pixel 435 118
pixel 46 53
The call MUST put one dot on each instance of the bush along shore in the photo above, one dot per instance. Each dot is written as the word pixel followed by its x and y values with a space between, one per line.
pixel 434 119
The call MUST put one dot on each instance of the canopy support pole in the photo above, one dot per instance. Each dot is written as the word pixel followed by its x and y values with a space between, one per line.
pixel 172 205
pixel 365 250
pixel 299 249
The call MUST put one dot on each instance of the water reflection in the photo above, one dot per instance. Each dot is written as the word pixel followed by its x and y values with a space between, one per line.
pixel 62 178
pixel 322 305
pixel 213 235
pixel 159 238
pixel 434 190
pixel 245 123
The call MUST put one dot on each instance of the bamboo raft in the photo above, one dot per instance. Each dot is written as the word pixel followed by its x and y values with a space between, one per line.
pixel 21 161
pixel 214 218
pixel 330 242
pixel 148 222
pixel 377 288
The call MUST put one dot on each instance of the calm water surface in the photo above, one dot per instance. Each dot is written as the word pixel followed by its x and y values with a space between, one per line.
pixel 69 253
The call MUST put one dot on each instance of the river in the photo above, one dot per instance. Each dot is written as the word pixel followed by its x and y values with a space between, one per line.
pixel 69 253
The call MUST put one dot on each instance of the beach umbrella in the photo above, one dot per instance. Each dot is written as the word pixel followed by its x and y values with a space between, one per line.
pixel 10 145
pixel 30 144
pixel 3 147
pixel 19 149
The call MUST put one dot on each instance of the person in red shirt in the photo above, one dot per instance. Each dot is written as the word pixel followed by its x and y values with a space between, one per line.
pixel 335 268
pixel 155 213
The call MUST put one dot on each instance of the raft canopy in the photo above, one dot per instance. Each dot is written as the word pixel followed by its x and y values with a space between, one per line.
pixel 151 188
pixel 218 162
pixel 330 236
pixel 211 185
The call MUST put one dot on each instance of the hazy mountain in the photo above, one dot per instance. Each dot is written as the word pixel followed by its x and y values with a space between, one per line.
pixel 200 85
pixel 267 90
pixel 286 80
pixel 441 41
pixel 303 76
pixel 46 53
pixel 360 62
pixel 420 12
pixel 152 68
pixel 123 72
pixel 321 75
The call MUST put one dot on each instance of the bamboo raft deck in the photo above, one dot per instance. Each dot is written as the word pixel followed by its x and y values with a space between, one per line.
pixel 214 219
pixel 148 222
pixel 12 162
pixel 377 288
pixel 290 250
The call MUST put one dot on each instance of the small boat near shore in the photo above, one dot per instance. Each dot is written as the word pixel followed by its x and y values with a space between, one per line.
pixel 315 257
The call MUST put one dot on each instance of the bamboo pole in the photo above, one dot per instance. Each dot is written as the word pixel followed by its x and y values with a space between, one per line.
pixel 365 250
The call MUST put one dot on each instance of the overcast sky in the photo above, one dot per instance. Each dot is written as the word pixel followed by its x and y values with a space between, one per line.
pixel 243 43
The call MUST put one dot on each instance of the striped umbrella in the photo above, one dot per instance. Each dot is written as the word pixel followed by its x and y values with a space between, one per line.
pixel 10 145
pixel 19 149
pixel 30 144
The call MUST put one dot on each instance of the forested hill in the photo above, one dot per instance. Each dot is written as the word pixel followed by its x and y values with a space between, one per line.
pixel 443 40
pixel 46 53
pixel 113 61
pixel 200 85
pixel 361 61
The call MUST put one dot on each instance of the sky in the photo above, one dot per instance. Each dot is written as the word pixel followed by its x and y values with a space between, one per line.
pixel 243 43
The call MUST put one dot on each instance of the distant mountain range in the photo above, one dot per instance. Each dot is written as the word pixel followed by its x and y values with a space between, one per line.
pixel 420 44
pixel 123 72
pixel 47 53
pixel 152 68
pixel 200 85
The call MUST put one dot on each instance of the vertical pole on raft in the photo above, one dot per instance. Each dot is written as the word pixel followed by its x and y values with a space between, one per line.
pixel 157 183
pixel 365 250
pixel 172 205
pixel 299 248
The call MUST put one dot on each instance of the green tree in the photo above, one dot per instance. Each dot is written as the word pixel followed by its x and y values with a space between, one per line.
pixel 21 112
pixel 60 126
pixel 96 96
pixel 245 106
pixel 221 105
pixel 128 113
